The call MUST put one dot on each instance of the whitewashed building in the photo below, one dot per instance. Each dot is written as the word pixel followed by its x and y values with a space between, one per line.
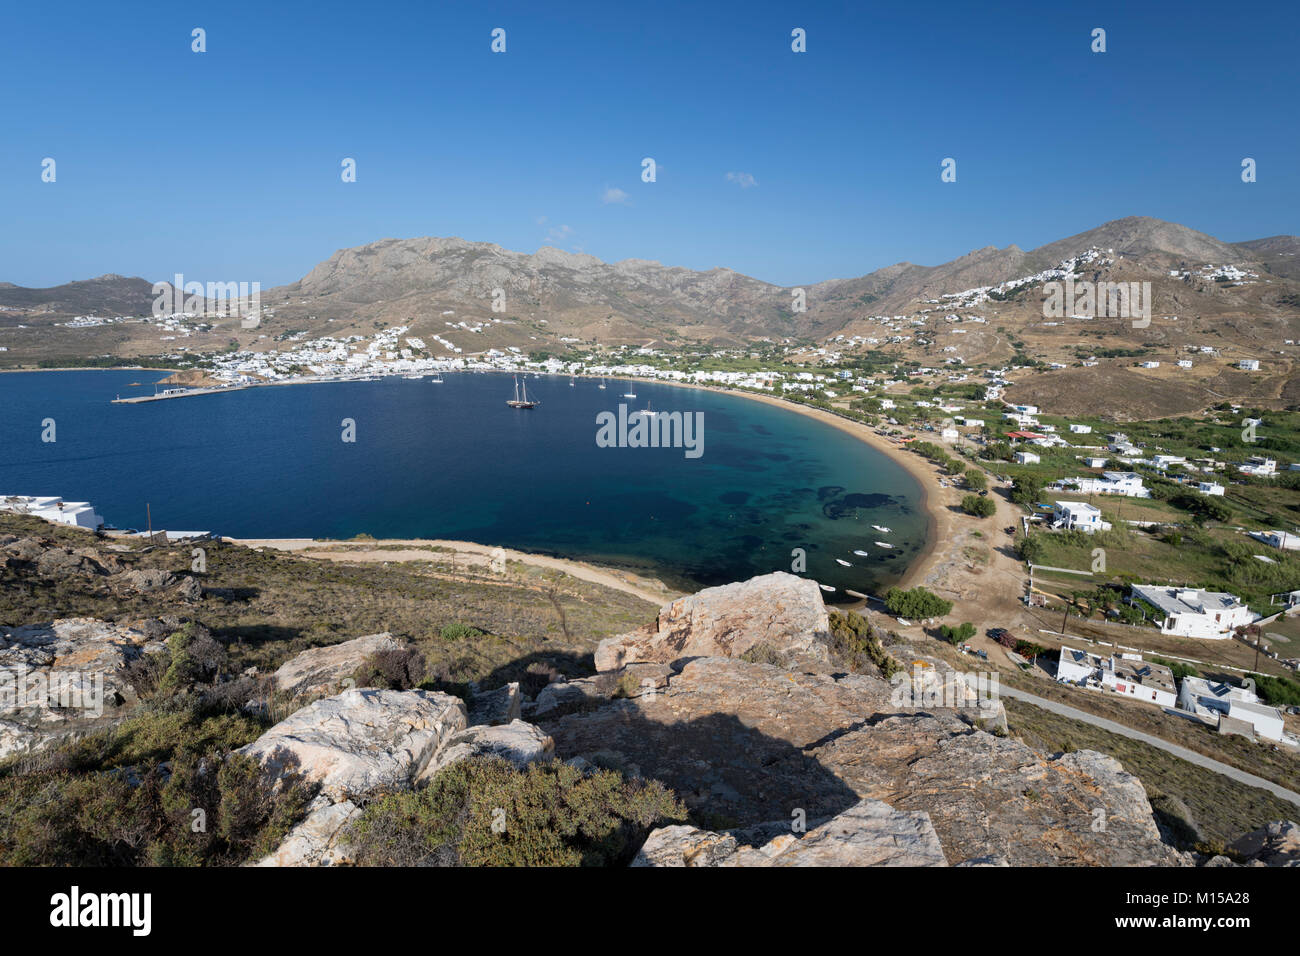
pixel 1078 516
pixel 1209 488
pixel 1212 699
pixel 79 514
pixel 1027 458
pixel 1191 612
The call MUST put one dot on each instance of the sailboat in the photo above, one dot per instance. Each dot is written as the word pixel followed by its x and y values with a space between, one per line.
pixel 648 412
pixel 630 393
pixel 572 381
pixel 601 386
pixel 522 402
pixel 436 380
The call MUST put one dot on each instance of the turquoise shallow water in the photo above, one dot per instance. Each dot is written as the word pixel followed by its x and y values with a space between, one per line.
pixel 453 461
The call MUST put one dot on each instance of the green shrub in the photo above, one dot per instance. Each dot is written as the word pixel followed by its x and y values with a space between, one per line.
pixel 457 631
pixel 956 635
pixel 980 507
pixel 916 603
pixel 484 812
pixel 855 645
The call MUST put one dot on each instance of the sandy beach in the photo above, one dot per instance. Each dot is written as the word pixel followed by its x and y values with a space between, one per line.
pixel 463 553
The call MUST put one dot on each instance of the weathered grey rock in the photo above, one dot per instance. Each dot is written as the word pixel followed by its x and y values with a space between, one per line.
pixel 63 679
pixel 146 580
pixel 1275 844
pixel 190 589
pixel 316 840
pixel 518 742
pixel 869 833
pixel 356 741
pixel 498 706
pixel 756 743
pixel 56 562
pixel 321 670
pixel 781 611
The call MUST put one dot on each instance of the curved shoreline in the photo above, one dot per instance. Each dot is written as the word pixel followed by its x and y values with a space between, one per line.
pixel 920 470
pixel 937 527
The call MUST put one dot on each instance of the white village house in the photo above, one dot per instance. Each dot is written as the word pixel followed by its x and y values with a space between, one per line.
pixel 1191 612
pixel 1222 700
pixel 1125 483
pixel 79 514
pixel 1078 516
pixel 1126 674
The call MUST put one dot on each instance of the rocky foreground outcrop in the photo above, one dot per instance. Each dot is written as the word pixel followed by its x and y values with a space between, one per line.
pixel 781 612
pixel 869 833
pixel 65 678
pixel 323 670
pixel 365 741
pixel 753 743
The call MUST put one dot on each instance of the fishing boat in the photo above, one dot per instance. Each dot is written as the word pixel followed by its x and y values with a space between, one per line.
pixel 843 562
pixel 881 529
pixel 826 587
pixel 883 544
pixel 863 554
pixel 522 402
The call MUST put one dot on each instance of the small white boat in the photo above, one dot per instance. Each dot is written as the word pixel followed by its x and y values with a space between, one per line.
pixel 648 412
pixel 436 380
pixel 881 529
pixel 414 378
pixel 903 621
pixel 863 554
pixel 602 384
pixel 843 562
pixel 883 544
pixel 826 587
pixel 629 394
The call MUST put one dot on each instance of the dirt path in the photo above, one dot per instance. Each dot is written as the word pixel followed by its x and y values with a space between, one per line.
pixel 464 553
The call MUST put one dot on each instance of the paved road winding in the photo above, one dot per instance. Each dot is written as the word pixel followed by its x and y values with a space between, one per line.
pixel 1191 756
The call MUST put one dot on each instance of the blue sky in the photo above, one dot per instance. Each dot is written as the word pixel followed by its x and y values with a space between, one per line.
pixel 225 165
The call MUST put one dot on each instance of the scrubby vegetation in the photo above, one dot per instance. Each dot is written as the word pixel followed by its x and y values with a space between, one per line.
pixel 159 789
pixel 855 643
pixel 484 812
pixel 917 602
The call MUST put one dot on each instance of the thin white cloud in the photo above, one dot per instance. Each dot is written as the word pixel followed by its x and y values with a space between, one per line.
pixel 613 196
pixel 743 180
pixel 557 234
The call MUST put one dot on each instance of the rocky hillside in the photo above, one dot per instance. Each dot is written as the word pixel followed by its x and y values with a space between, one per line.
pixel 743 726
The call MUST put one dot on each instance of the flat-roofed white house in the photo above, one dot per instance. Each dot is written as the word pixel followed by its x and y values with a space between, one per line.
pixel 1282 540
pixel 1249 365
pixel 949 434
pixel 1126 674
pixel 78 514
pixel 1167 461
pixel 1078 516
pixel 1191 612
pixel 1125 483
pixel 1094 462
pixel 1258 465
pixel 1027 458
pixel 1213 699
pixel 1209 488
pixel 1081 429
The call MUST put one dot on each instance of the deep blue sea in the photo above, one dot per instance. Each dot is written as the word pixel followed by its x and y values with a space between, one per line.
pixel 452 461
